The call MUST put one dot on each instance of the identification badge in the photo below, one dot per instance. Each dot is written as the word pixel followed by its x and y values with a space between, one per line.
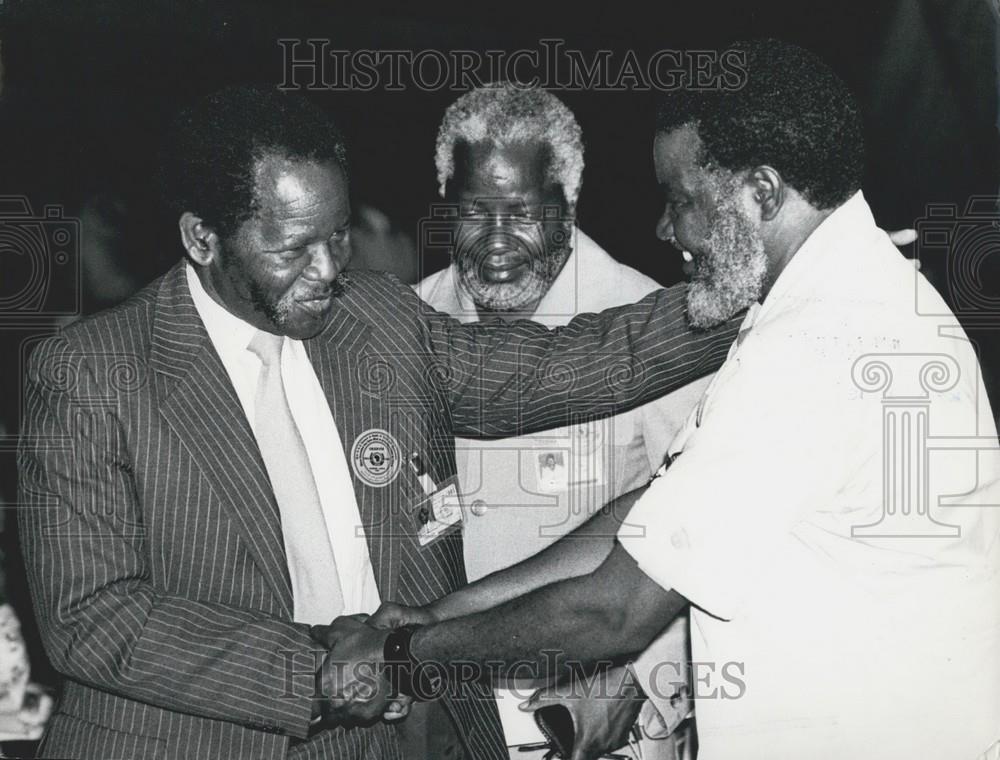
pixel 550 470
pixel 439 511
pixel 580 463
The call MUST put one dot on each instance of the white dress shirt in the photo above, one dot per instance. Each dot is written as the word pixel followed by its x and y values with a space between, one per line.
pixel 230 336
pixel 822 638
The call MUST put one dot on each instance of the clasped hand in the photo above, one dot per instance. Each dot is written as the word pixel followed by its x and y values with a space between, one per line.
pixel 351 680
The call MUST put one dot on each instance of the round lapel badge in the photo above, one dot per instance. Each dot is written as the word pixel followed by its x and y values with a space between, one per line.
pixel 376 458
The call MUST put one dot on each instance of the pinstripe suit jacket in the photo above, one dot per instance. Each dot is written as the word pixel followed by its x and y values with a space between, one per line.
pixel 153 541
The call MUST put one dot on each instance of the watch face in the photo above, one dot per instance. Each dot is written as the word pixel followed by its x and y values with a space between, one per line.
pixel 407 676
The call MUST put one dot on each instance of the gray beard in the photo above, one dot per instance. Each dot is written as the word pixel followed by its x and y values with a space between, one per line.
pixel 730 277
pixel 513 296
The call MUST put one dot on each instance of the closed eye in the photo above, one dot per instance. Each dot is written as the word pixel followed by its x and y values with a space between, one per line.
pixel 293 253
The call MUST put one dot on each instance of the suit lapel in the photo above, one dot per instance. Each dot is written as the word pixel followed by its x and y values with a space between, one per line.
pixel 344 363
pixel 201 406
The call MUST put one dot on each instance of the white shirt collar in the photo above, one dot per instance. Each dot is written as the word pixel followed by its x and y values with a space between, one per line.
pixel 563 294
pixel 229 334
pixel 821 261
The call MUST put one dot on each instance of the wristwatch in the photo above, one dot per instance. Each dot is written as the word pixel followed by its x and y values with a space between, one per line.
pixel 405 673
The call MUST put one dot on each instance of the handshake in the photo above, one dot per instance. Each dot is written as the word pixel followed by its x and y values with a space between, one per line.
pixel 369 674
pixel 356 683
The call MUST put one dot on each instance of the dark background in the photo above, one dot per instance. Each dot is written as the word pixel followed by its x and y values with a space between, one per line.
pixel 89 86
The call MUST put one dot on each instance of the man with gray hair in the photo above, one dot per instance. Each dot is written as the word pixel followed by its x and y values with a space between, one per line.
pixel 487 132
pixel 510 159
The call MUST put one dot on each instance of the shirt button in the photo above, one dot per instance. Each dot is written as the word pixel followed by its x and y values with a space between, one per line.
pixel 479 507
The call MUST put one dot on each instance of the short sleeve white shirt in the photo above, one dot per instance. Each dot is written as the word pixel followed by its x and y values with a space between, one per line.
pixel 820 628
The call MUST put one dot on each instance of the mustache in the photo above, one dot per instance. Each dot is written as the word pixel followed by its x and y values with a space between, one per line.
pixel 335 289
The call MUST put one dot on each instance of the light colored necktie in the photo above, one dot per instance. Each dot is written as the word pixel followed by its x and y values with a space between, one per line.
pixel 316 586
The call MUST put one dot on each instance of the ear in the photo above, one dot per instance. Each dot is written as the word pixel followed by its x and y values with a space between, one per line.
pixel 201 243
pixel 768 191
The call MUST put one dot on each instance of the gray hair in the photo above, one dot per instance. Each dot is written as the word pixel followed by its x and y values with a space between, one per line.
pixel 504 113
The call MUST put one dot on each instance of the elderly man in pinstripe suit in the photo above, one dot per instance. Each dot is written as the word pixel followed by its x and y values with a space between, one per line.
pixel 256 443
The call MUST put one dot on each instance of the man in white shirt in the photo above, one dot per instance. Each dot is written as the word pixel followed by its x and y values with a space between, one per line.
pixel 506 157
pixel 841 575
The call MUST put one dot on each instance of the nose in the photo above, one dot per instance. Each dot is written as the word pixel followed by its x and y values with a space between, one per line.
pixel 324 266
pixel 499 221
pixel 665 226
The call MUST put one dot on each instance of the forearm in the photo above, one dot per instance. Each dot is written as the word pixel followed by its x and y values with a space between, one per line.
pixel 579 552
pixel 613 611
pixel 504 633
